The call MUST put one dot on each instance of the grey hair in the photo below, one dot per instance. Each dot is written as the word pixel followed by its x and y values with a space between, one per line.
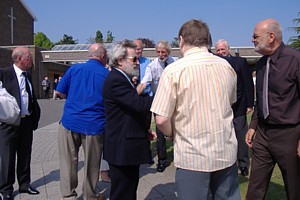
pixel 16 53
pixel 119 51
pixel 223 41
pixel 163 44
pixel 276 28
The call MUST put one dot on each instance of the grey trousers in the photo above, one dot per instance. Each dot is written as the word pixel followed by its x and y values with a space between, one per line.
pixel 219 185
pixel 69 143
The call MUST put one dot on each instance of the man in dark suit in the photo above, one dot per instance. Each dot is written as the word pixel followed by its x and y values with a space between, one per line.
pixel 126 139
pixel 17 139
pixel 244 103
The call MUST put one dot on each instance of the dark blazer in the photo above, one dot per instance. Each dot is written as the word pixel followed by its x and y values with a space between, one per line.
pixel 245 86
pixel 10 82
pixel 125 138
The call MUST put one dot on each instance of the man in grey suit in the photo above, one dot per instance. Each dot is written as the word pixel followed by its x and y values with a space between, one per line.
pixel 16 139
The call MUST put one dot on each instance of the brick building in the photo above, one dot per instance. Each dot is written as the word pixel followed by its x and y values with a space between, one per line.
pixel 17 29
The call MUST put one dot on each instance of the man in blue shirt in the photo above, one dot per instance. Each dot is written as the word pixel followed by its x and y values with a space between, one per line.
pixel 82 122
pixel 144 62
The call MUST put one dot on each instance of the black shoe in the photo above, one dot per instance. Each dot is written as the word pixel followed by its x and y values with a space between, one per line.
pixel 6 197
pixel 161 166
pixel 30 191
pixel 244 171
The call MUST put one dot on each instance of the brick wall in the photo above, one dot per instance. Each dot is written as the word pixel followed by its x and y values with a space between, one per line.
pixel 23 24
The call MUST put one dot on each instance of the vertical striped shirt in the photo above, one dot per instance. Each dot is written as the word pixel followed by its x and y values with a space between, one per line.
pixel 196 93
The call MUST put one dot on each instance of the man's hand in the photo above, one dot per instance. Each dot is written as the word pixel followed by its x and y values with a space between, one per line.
pixel 140 88
pixel 249 137
pixel 250 109
pixel 152 135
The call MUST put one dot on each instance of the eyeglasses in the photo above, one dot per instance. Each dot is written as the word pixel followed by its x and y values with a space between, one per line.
pixel 133 58
pixel 258 36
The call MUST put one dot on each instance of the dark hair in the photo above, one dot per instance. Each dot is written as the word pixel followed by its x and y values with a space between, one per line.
pixel 195 33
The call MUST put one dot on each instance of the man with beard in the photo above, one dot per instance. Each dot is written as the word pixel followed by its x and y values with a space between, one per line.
pixel 126 141
pixel 152 76
pixel 274 130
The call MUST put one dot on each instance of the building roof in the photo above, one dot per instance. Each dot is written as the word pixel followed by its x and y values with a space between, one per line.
pixel 28 10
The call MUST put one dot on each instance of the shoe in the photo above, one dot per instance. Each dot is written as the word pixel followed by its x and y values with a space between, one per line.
pixel 244 171
pixel 6 196
pixel 30 191
pixel 161 167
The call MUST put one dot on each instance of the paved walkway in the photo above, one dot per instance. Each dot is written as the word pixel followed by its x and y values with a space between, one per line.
pixel 45 173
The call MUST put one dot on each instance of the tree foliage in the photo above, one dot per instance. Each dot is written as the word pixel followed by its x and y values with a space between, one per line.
pixel 175 43
pixel 109 37
pixel 99 37
pixel 41 40
pixel 147 42
pixel 67 39
pixel 294 41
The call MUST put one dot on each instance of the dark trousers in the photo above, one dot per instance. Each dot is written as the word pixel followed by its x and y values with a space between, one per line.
pixel 124 182
pixel 161 147
pixel 241 127
pixel 273 145
pixel 15 141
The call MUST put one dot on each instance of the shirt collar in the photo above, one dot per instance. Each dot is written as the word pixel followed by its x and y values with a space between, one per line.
pixel 195 50
pixel 17 70
pixel 274 57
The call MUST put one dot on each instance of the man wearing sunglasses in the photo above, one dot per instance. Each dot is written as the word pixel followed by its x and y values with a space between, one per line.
pixel 126 141
pixel 152 76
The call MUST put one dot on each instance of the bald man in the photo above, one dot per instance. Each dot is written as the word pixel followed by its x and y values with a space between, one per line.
pixel 16 139
pixel 82 123
pixel 275 121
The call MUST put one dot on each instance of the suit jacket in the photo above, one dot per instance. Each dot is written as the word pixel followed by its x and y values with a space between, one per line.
pixel 245 86
pixel 10 82
pixel 125 138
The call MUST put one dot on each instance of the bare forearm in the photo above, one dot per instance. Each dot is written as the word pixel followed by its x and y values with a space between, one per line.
pixel 164 124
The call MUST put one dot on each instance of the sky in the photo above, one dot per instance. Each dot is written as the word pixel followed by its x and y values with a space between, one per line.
pixel 232 20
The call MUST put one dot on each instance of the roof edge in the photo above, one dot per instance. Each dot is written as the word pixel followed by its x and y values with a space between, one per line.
pixel 28 10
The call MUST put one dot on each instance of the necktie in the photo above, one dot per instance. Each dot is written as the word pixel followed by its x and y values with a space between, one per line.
pixel 265 90
pixel 28 92
pixel 165 64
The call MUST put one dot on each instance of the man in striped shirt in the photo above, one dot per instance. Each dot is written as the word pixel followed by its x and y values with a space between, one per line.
pixel 193 104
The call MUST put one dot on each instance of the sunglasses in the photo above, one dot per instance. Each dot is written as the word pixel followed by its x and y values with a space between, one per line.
pixel 133 59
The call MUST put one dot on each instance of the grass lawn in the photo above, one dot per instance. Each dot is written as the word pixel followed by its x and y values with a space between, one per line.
pixel 276 187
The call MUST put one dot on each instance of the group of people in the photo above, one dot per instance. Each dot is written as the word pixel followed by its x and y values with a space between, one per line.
pixel 46 87
pixel 200 101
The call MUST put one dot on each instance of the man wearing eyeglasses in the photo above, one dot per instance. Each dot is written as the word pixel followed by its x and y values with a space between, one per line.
pixel 152 76
pixel 274 131
pixel 126 141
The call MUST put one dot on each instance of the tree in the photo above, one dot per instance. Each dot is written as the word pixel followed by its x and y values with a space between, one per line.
pixel 67 39
pixel 294 41
pixel 175 43
pixel 41 40
pixel 99 37
pixel 147 42
pixel 109 37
